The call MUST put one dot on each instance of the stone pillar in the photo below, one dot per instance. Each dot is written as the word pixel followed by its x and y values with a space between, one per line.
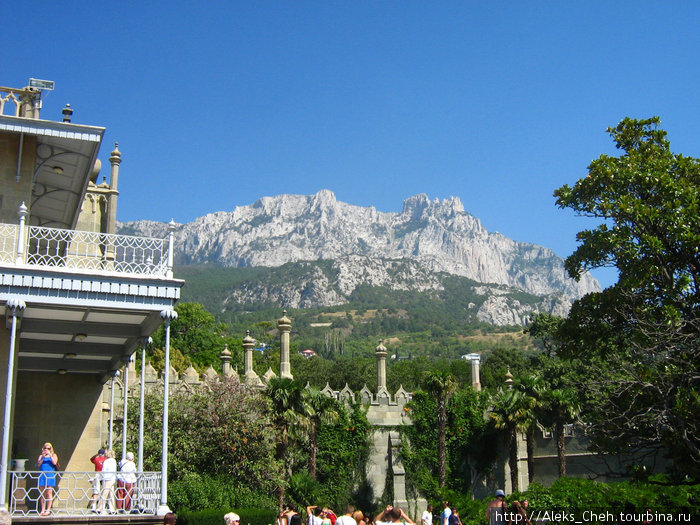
pixel 476 380
pixel 249 374
pixel 225 357
pixel 284 325
pixel 115 160
pixel 380 354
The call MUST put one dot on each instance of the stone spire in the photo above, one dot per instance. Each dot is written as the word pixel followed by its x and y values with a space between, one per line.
pixel 380 354
pixel 248 373
pixel 476 379
pixel 284 325
pixel 225 357
pixel 115 160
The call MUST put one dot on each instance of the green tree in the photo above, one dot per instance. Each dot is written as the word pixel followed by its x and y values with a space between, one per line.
pixel 198 336
pixel 646 326
pixel 320 409
pixel 289 408
pixel 510 411
pixel 441 385
pixel 532 386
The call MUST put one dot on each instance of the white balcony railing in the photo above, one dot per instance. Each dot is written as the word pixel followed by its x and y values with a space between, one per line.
pixel 77 494
pixel 58 248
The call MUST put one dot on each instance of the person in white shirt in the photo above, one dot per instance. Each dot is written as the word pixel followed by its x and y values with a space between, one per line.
pixel 446 513
pixel 126 479
pixel 427 517
pixel 347 519
pixel 109 478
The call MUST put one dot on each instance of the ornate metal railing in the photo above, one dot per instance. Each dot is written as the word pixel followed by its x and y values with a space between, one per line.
pixel 8 243
pixel 96 251
pixel 80 494
pixel 71 249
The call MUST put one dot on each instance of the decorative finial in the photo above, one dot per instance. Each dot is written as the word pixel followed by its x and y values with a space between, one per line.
pixel 67 113
pixel 116 156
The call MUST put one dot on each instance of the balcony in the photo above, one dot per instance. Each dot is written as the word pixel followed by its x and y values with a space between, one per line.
pixel 86 252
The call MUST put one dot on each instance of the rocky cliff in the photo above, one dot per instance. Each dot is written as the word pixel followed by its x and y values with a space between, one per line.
pixel 437 236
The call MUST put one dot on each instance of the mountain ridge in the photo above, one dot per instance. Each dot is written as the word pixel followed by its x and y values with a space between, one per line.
pixel 439 236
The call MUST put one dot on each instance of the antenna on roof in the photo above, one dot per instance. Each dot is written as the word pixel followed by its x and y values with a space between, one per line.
pixel 41 85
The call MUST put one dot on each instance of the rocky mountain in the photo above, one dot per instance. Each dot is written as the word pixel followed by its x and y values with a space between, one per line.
pixel 366 246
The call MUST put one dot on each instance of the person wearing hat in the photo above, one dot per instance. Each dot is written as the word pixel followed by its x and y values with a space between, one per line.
pixel 97 460
pixel 232 518
pixel 496 510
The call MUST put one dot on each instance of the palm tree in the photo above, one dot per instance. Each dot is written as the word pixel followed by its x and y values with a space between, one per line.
pixel 531 386
pixel 289 407
pixel 510 411
pixel 441 385
pixel 320 409
pixel 561 408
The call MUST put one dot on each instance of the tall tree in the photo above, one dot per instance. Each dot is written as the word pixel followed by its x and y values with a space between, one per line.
pixel 441 385
pixel 646 326
pixel 511 411
pixel 532 386
pixel 320 409
pixel 289 409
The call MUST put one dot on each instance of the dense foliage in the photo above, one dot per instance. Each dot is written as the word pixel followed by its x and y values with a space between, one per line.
pixel 645 329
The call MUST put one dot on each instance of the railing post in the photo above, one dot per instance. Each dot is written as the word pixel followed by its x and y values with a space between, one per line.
pixel 15 307
pixel 23 211
pixel 167 316
pixel 171 238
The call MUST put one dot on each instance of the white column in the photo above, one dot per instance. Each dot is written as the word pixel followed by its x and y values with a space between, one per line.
pixel 126 402
pixel 144 343
pixel 115 373
pixel 16 307
pixel 167 316
pixel 23 211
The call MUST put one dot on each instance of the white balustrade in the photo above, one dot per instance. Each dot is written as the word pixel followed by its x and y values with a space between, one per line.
pixel 79 250
pixel 74 494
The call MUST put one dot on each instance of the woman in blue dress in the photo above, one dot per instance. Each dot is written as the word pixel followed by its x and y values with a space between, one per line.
pixel 48 464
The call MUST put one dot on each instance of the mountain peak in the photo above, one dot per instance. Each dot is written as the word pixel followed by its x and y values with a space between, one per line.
pixel 439 235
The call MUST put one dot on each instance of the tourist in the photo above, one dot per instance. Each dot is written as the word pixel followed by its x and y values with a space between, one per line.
pixel 347 518
pixel 330 515
pixel 48 465
pixel 454 517
pixel 109 479
pixel 392 515
pixel 427 517
pixel 359 517
pixel 126 479
pixel 232 518
pixel 496 510
pixel 446 513
pixel 314 515
pixel 97 460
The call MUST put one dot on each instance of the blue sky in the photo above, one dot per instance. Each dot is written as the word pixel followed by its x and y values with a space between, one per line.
pixel 216 104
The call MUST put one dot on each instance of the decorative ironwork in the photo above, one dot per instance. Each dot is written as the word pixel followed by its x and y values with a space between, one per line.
pixel 8 243
pixel 54 247
pixel 75 494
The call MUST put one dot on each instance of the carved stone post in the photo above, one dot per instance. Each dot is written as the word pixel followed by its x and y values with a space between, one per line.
pixel 476 380
pixel 248 373
pixel 225 357
pixel 380 354
pixel 284 325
